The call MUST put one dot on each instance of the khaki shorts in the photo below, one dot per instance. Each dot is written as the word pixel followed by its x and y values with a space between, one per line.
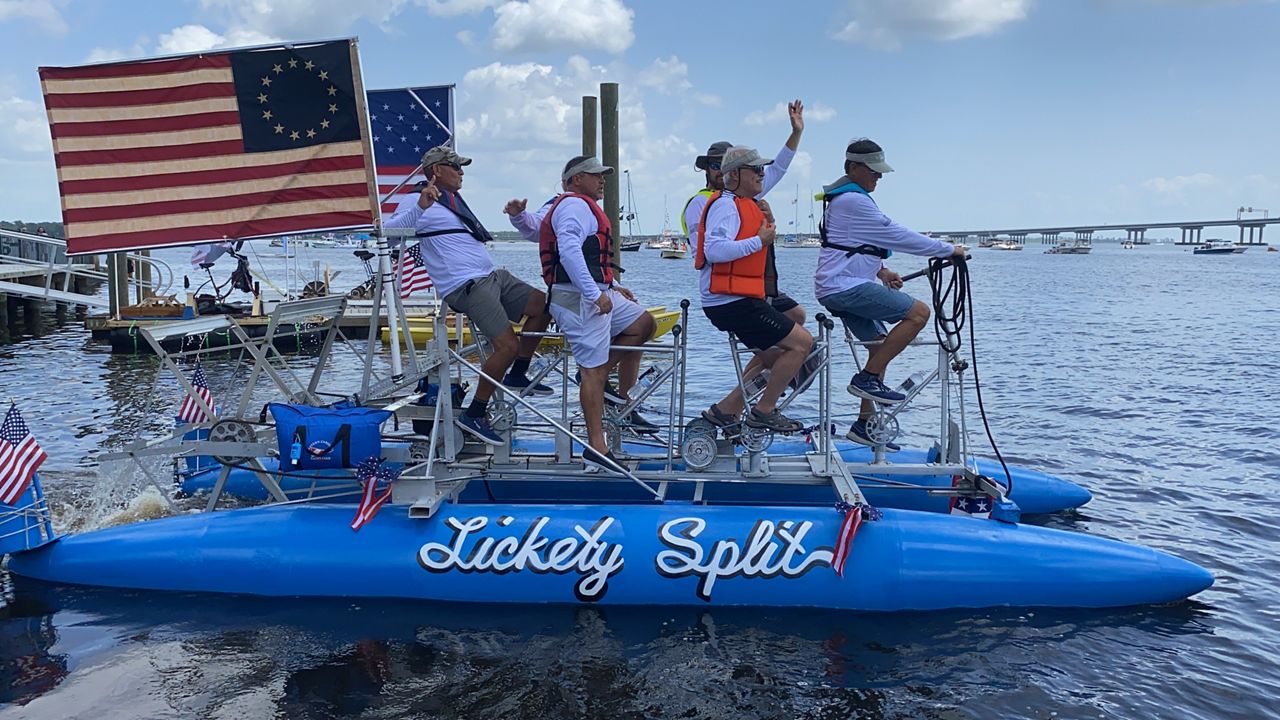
pixel 492 302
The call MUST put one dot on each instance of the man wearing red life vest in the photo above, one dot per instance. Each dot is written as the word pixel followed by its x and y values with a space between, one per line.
pixel 575 246
pixel 735 257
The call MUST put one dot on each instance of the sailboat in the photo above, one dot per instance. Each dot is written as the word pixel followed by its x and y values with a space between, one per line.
pixel 672 245
pixel 629 242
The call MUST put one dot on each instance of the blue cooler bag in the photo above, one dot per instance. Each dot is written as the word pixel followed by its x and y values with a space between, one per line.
pixel 319 438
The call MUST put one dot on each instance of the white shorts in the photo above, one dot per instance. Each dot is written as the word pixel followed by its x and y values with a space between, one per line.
pixel 588 331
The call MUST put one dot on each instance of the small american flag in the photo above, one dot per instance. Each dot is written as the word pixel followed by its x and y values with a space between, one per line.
pixel 854 515
pixel 371 472
pixel 20 456
pixel 979 507
pixel 191 411
pixel 412 272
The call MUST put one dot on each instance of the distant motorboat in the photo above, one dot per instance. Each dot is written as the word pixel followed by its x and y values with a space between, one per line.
pixel 1006 245
pixel 1079 247
pixel 677 250
pixel 1127 245
pixel 1239 249
pixel 802 241
pixel 1216 247
pixel 629 245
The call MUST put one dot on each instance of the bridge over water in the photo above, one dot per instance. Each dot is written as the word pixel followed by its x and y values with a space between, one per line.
pixel 1250 231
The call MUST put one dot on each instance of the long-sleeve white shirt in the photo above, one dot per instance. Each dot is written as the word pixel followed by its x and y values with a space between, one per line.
pixel 573 223
pixel 452 259
pixel 853 219
pixel 772 174
pixel 530 223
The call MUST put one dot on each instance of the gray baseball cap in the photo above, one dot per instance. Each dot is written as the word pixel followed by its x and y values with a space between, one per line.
pixel 587 164
pixel 714 153
pixel 740 157
pixel 441 154
pixel 863 150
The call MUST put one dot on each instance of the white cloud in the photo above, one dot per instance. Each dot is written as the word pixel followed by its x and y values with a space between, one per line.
pixel 452 8
pixel 196 38
pixel 563 26
pixel 816 112
pixel 26 127
pixel 466 37
pixel 102 54
pixel 301 19
pixel 667 76
pixel 882 24
pixel 44 12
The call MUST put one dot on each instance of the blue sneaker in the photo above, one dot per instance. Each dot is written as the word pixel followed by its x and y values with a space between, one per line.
pixel 524 386
pixel 858 433
pixel 479 427
pixel 866 385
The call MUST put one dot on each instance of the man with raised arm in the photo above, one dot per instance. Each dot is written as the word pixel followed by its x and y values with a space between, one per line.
pixel 737 274
pixel 453 249
pixel 575 243
pixel 856 240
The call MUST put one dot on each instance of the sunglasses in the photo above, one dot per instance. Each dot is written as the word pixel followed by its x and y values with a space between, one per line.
pixel 453 165
pixel 714 166
pixel 757 169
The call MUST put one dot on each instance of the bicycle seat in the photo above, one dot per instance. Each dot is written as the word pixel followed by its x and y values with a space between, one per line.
pixel 205 265
pixel 363 254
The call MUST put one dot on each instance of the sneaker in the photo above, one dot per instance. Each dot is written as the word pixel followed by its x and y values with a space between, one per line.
pixel 717 418
pixel 593 462
pixel 866 385
pixel 640 424
pixel 524 386
pixel 479 427
pixel 858 433
pixel 774 421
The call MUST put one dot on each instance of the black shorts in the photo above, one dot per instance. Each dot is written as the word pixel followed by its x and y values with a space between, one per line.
pixel 757 324
pixel 782 303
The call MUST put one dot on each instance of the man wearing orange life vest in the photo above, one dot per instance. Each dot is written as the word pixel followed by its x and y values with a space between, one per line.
pixel 575 245
pixel 734 255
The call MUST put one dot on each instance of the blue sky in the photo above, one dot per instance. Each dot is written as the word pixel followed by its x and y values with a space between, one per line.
pixel 996 113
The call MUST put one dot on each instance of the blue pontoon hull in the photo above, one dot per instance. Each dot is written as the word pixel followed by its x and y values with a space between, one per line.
pixel 655 554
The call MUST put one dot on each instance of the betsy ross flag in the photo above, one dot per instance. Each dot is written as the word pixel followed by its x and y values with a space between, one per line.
pixel 191 410
pixel 412 273
pixel 20 456
pixel 404 124
pixel 215 146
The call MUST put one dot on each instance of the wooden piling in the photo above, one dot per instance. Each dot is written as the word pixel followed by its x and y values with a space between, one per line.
pixel 609 149
pixel 589 124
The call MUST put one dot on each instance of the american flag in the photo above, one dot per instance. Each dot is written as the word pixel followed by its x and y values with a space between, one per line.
pixel 844 539
pixel 979 507
pixel 191 411
pixel 404 123
pixel 371 472
pixel 20 456
pixel 212 146
pixel 412 272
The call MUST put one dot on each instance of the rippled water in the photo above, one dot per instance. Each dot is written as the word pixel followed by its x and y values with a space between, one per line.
pixel 1144 374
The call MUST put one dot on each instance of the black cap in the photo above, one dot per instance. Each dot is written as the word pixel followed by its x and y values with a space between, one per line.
pixel 715 152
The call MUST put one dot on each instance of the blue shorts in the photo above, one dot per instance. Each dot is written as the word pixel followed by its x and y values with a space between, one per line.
pixel 867 307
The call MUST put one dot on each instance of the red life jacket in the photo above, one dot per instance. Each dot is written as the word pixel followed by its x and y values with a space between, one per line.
pixel 755 275
pixel 597 249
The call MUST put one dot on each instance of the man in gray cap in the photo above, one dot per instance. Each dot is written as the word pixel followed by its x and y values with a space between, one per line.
pixel 575 241
pixel 737 274
pixel 856 240
pixel 453 249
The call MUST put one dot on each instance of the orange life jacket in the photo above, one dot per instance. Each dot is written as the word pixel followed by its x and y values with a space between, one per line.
pixel 597 249
pixel 755 275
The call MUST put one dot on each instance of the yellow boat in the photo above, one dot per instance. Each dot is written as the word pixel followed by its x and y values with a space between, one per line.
pixel 422 328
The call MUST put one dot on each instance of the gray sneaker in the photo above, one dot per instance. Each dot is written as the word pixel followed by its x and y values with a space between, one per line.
pixel 774 421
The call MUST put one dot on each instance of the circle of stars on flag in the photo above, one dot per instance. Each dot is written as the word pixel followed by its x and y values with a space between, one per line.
pixel 275 75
